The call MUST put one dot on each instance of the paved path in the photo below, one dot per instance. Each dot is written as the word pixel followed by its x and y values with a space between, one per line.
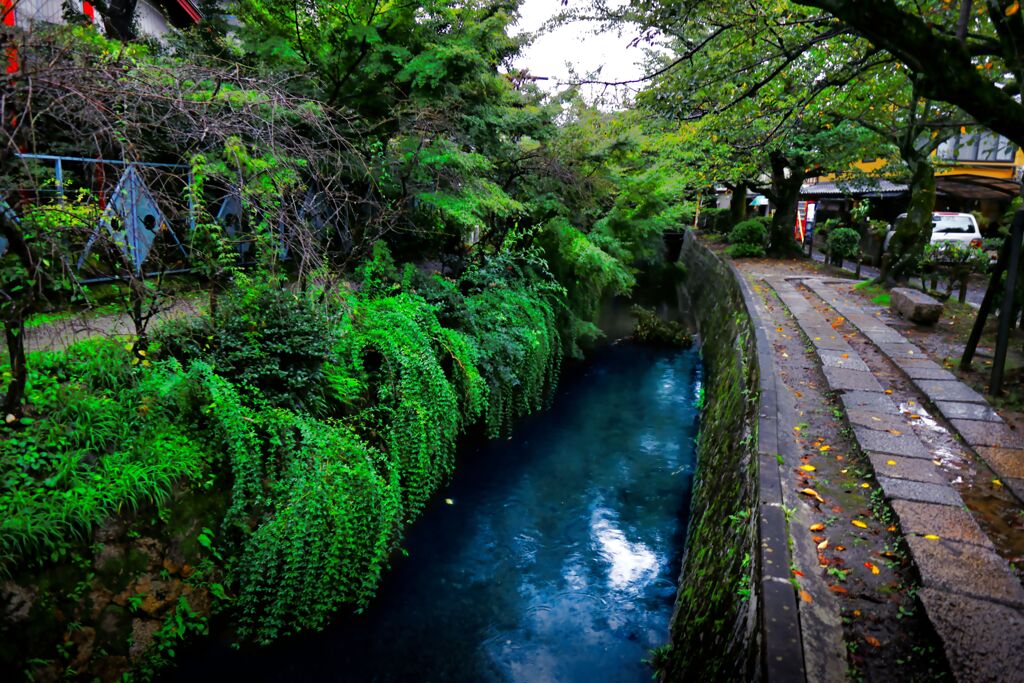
pixel 972 597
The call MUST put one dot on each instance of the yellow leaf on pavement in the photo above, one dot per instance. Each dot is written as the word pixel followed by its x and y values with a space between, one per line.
pixel 859 524
pixel 813 494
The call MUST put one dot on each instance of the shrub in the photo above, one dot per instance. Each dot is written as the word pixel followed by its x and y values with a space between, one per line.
pixel 748 238
pixel 265 338
pixel 745 249
pixel 843 243
pixel 716 220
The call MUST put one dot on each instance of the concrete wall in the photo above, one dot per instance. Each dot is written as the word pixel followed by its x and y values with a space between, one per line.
pixel 714 632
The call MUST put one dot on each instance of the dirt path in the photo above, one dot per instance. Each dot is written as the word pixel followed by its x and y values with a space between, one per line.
pixel 62 333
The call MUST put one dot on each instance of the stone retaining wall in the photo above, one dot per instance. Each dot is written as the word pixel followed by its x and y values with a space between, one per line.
pixel 714 631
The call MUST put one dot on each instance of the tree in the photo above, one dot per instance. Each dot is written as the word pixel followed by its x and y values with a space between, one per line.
pixel 751 73
pixel 971 59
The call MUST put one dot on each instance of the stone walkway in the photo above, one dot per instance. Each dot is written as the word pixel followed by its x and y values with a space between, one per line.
pixel 972 597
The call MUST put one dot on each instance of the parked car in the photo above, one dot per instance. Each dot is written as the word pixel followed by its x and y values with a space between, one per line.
pixel 948 227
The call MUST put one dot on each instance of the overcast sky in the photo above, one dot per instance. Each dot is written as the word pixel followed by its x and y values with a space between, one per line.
pixel 575 44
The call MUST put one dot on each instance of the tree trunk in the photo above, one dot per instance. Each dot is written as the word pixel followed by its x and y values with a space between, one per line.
pixel 787 179
pixel 139 317
pixel 911 236
pixel 14 331
pixel 738 203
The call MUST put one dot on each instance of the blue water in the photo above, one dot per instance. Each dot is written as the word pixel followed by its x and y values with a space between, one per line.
pixel 555 560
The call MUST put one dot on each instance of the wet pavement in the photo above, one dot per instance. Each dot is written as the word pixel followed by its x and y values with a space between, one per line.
pixel 946 469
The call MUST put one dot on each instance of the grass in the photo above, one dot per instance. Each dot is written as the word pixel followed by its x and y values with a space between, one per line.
pixel 877 294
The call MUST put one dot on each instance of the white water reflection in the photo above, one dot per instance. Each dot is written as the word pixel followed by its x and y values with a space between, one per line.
pixel 629 562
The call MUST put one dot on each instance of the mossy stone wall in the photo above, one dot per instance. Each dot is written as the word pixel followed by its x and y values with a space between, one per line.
pixel 713 631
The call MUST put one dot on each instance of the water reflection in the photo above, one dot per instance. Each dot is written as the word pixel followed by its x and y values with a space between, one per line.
pixel 630 564
pixel 556 562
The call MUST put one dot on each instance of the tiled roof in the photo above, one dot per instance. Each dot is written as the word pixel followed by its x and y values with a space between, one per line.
pixel 854 188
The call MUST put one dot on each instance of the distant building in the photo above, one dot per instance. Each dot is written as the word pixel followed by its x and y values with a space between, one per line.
pixel 152 17
pixel 975 171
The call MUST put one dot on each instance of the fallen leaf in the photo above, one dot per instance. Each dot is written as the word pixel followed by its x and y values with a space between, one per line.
pixel 1013 9
pixel 808 468
pixel 813 494
pixel 836 509
pixel 449 501
pixel 797 394
pixel 997 482
pixel 778 329
pixel 872 567
pixel 838 589
pixel 817 539
pixel 931 537
pixel 844 355
pixel 894 432
pixel 914 416
pixel 840 548
pixel 825 448
pixel 872 641
pixel 888 553
pixel 891 527
pixel 840 458
pixel 798 572
pixel 888 391
pixel 859 524
pixel 936 462
pixel 890 462
pixel 856 612
pixel 865 485
pixel 823 544
pixel 806 597
pixel 796 429
pixel 817 527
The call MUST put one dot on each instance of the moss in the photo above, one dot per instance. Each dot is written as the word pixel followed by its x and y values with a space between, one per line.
pixel 709 633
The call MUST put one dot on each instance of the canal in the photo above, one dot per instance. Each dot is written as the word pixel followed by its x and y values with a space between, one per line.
pixel 551 556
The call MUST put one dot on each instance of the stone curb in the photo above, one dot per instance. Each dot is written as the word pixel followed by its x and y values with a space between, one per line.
pixel 781 635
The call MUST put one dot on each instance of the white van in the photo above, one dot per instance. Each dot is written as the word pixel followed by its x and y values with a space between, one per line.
pixel 961 228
